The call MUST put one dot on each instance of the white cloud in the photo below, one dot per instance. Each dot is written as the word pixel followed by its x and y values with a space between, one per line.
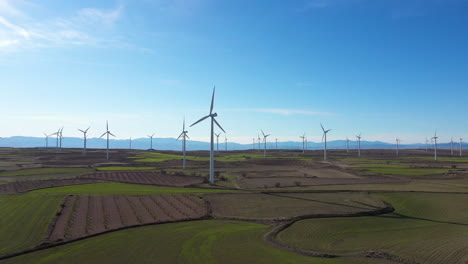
pixel 8 42
pixel 7 8
pixel 282 111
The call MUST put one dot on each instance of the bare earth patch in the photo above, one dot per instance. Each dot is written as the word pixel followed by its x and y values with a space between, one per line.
pixel 145 177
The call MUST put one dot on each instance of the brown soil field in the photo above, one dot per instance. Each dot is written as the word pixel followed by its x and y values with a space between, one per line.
pixel 283 206
pixel 86 215
pixel 26 186
pixel 145 177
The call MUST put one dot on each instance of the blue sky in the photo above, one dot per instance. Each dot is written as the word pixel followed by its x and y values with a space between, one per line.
pixel 386 68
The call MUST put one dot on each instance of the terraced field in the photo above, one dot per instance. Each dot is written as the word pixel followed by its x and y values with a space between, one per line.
pixel 426 228
pixel 145 177
pixel 24 220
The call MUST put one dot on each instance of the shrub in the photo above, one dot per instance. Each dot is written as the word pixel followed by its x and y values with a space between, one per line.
pixel 163 172
pixel 454 166
pixel 277 185
pixel 298 183
pixel 244 174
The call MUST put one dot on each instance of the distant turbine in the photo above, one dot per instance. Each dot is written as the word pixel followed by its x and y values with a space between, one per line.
pixel 184 137
pixel 347 145
pixel 461 146
pixel 60 136
pixel 427 143
pixel 47 139
pixel 265 143
pixel 217 141
pixel 253 143
pixel 303 142
pixel 213 121
pixel 151 140
pixel 397 145
pixel 306 145
pixel 225 143
pixel 107 133
pixel 451 146
pixel 84 137
pixel 359 144
pixel 130 143
pixel 276 143
pixel 259 146
pixel 325 145
pixel 435 145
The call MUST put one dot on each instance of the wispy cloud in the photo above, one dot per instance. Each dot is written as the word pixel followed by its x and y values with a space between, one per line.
pixel 87 26
pixel 283 111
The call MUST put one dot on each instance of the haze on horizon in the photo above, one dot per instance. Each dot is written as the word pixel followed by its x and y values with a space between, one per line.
pixel 384 68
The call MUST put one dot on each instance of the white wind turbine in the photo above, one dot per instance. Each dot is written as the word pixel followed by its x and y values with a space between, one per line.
pixel 58 137
pixel 325 145
pixel 130 143
pixel 264 142
pixel 217 141
pixel 107 133
pixel 47 139
pixel 213 121
pixel 427 143
pixel 435 145
pixel 151 141
pixel 184 136
pixel 276 146
pixel 253 143
pixel 259 146
pixel 359 144
pixel 85 132
pixel 461 141
pixel 303 142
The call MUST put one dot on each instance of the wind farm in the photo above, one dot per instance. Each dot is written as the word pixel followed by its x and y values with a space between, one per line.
pixel 359 156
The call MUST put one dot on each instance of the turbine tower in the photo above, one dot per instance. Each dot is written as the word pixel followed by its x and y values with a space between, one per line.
pixel 435 145
pixel 107 133
pixel 253 143
pixel 397 145
pixel 461 146
pixel 84 137
pixel 225 142
pixel 213 121
pixel 427 143
pixel 303 142
pixel 184 136
pixel 60 135
pixel 259 146
pixel 451 146
pixel 347 145
pixel 276 146
pixel 359 144
pixel 265 143
pixel 217 141
pixel 130 143
pixel 151 141
pixel 47 139
pixel 325 145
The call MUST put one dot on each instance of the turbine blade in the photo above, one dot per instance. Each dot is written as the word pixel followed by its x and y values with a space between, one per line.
pixel 262 132
pixel 322 127
pixel 103 135
pixel 87 129
pixel 81 130
pixel 218 125
pixel 180 135
pixel 201 119
pixel 111 134
pixel 107 125
pixel 212 100
pixel 187 136
pixel 323 136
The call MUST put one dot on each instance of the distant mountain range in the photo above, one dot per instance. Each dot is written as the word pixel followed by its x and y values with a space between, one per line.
pixel 173 144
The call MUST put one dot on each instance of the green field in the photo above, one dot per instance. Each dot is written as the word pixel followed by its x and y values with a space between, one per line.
pixel 160 157
pixel 445 159
pixel 124 168
pixel 207 242
pixel 426 228
pixel 122 188
pixel 24 220
pixel 44 171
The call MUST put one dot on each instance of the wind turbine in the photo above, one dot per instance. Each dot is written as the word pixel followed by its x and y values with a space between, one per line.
pixel 427 143
pixel 225 142
pixel 151 140
pixel 435 145
pixel 217 141
pixel 303 142
pixel 359 144
pixel 213 121
pixel 184 137
pixel 451 146
pixel 347 145
pixel 47 140
pixel 265 143
pixel 253 143
pixel 276 146
pixel 107 133
pixel 84 137
pixel 397 145
pixel 130 143
pixel 461 146
pixel 325 145
pixel 60 135
pixel 259 146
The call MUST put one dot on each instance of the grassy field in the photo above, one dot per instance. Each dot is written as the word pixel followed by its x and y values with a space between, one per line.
pixel 445 159
pixel 426 228
pixel 160 157
pixel 24 220
pixel 124 168
pixel 208 242
pixel 287 205
pixel 44 171
pixel 122 188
